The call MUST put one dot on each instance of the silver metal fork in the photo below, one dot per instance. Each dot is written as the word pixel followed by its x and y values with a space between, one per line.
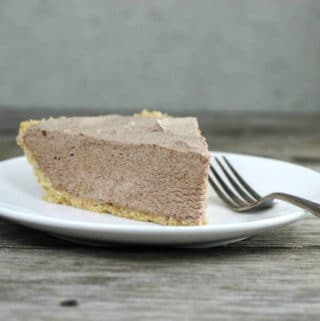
pixel 239 196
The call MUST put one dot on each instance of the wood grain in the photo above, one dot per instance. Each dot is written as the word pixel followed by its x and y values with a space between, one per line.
pixel 273 276
pixel 220 283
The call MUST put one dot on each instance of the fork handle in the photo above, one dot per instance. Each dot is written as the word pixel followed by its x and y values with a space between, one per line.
pixel 312 207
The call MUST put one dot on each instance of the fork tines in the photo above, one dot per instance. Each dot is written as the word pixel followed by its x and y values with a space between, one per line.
pixel 230 185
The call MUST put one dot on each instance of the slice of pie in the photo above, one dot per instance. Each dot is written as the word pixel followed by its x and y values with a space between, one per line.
pixel 145 168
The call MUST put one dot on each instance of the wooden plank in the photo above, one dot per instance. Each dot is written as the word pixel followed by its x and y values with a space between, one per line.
pixel 219 283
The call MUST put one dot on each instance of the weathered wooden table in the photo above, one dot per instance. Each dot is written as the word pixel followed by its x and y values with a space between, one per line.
pixel 275 276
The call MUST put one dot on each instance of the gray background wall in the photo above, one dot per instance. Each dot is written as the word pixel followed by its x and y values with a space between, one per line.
pixel 184 55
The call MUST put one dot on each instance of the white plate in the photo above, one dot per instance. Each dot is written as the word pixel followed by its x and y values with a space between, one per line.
pixel 20 201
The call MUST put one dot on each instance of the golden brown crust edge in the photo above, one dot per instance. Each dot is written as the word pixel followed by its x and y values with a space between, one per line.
pixel 62 197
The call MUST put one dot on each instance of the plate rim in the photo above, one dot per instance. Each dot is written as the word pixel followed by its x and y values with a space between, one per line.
pixel 41 220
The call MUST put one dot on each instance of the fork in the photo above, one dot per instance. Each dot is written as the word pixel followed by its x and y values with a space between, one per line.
pixel 239 196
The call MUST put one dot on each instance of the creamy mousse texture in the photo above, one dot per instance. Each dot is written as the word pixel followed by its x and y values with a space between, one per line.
pixel 146 168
